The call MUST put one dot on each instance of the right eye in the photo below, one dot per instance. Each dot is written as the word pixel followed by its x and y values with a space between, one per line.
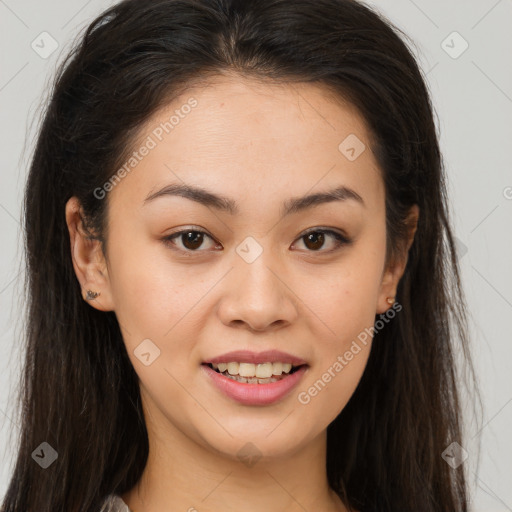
pixel 189 239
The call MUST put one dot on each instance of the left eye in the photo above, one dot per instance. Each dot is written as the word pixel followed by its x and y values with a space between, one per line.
pixel 316 239
pixel 192 240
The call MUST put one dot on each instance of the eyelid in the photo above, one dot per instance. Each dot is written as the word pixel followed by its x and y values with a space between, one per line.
pixel 323 229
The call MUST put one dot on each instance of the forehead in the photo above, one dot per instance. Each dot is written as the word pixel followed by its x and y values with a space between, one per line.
pixel 251 138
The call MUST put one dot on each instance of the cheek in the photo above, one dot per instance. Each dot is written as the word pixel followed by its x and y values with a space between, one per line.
pixel 345 296
pixel 152 295
pixel 341 353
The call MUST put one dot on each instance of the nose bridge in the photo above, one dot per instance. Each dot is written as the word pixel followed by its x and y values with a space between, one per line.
pixel 253 264
pixel 257 297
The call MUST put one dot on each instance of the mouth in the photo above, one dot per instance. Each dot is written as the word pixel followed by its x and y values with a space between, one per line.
pixel 255 384
pixel 255 373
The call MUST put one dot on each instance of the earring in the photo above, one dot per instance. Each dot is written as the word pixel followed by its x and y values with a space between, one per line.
pixel 91 295
pixel 390 300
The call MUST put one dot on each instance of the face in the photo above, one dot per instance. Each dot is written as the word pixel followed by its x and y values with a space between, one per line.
pixel 192 277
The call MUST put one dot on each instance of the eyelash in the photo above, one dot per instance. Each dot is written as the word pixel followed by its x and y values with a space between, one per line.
pixel 341 239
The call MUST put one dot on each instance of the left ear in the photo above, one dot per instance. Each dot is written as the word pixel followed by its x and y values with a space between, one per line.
pixel 395 268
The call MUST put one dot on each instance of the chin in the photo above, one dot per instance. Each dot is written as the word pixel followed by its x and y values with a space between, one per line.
pixel 263 445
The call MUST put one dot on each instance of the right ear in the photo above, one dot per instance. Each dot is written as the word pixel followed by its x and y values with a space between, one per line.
pixel 88 259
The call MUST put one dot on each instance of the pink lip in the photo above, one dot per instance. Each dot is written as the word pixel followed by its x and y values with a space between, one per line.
pixel 246 356
pixel 254 394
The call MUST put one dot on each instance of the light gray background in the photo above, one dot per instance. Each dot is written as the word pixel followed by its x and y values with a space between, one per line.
pixel 472 94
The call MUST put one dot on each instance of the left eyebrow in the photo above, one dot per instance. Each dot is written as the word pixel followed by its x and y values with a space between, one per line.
pixel 228 205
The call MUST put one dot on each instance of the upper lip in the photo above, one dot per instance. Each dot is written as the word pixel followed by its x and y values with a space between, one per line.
pixel 246 356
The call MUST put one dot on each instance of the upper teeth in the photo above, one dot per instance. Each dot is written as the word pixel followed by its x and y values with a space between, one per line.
pixel 261 370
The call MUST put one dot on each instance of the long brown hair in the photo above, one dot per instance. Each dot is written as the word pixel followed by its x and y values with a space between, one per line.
pixel 79 391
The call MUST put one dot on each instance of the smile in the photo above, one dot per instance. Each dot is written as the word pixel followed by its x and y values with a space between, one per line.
pixel 249 373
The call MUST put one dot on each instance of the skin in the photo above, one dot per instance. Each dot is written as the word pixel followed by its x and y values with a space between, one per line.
pixel 259 144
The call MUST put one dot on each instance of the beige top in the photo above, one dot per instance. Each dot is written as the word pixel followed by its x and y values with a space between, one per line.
pixel 114 503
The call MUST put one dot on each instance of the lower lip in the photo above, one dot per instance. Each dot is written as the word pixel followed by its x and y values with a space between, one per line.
pixel 255 394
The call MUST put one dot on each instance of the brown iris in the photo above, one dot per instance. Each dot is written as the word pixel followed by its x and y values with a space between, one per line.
pixel 194 238
pixel 317 239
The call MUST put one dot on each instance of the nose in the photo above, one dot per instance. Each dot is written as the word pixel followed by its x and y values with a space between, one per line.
pixel 257 297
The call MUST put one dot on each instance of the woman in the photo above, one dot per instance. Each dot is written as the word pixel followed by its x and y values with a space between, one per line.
pixel 243 289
